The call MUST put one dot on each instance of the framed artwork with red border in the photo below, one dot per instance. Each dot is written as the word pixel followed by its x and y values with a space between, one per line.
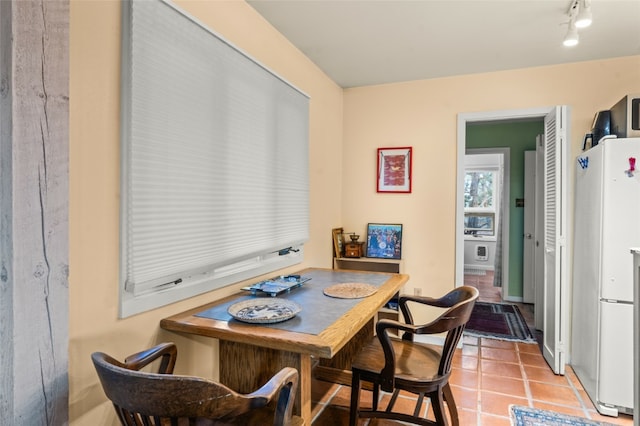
pixel 394 169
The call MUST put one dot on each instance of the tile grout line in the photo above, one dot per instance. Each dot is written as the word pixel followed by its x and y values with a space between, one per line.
pixel 525 379
pixel 583 406
pixel 326 404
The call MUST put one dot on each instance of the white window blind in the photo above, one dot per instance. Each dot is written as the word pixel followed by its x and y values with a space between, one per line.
pixel 215 161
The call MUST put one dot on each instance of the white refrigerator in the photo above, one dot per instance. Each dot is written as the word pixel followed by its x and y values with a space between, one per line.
pixel 606 227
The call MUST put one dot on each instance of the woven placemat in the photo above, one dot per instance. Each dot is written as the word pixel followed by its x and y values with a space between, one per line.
pixel 350 290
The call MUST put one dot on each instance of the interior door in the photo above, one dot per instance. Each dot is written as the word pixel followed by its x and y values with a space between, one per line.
pixel 555 225
pixel 528 247
pixel 538 310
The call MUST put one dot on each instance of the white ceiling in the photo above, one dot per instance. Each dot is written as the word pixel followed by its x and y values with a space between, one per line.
pixel 367 42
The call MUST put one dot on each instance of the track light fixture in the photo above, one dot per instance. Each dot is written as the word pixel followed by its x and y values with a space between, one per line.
pixel 572 38
pixel 579 17
pixel 584 18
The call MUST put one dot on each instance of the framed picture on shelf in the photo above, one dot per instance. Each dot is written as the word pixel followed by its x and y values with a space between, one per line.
pixel 384 240
pixel 394 169
pixel 338 241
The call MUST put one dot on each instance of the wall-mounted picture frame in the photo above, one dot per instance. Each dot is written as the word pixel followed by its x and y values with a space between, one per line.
pixel 338 241
pixel 394 169
pixel 384 240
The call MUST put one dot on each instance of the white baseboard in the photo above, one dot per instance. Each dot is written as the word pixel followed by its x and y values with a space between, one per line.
pixel 475 266
pixel 432 340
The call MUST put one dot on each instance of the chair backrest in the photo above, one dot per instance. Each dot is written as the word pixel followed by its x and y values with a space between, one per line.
pixel 462 301
pixel 459 303
pixel 153 398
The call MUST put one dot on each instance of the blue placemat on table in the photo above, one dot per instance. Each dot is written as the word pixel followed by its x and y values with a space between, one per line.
pixel 318 311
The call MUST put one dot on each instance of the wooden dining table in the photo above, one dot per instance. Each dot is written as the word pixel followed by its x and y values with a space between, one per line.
pixel 323 337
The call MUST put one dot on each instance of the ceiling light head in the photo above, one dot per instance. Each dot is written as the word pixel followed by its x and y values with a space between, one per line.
pixel 571 39
pixel 584 18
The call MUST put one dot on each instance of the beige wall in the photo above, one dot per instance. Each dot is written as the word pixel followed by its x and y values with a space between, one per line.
pixel 423 114
pixel 94 188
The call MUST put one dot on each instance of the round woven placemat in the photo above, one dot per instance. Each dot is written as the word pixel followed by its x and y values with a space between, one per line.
pixel 350 290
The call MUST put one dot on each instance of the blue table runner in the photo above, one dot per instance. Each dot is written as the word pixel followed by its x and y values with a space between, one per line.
pixel 318 311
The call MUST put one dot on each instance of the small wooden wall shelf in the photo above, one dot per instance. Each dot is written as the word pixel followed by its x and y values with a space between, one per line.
pixel 368 264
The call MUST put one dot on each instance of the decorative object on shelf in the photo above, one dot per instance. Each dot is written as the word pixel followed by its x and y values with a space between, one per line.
pixel 353 248
pixel 264 310
pixel 394 169
pixel 350 290
pixel 278 285
pixel 384 240
pixel 338 242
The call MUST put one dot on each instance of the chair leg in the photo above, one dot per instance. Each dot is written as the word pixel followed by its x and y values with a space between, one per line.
pixel 376 397
pixel 355 399
pixel 392 402
pixel 451 403
pixel 416 411
pixel 437 403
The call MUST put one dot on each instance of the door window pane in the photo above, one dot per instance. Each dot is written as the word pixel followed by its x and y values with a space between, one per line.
pixel 479 189
pixel 480 202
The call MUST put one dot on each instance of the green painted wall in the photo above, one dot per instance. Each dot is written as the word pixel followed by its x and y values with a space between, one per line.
pixel 520 137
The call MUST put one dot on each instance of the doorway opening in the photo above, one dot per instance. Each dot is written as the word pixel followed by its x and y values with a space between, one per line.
pixel 556 135
pixel 486 216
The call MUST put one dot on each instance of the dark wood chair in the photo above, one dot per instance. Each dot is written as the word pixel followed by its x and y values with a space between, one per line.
pixel 394 364
pixel 147 398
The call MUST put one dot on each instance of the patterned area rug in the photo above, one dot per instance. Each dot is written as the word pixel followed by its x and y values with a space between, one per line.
pixel 498 321
pixel 525 416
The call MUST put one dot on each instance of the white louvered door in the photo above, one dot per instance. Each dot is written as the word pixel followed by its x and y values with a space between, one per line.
pixel 555 227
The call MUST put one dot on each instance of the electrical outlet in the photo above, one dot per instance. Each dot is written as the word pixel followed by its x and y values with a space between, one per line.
pixel 417 291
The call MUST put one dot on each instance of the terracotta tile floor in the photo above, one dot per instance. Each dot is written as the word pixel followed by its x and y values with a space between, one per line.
pixel 488 375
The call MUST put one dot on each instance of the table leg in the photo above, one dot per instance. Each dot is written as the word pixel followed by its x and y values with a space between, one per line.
pixel 244 368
